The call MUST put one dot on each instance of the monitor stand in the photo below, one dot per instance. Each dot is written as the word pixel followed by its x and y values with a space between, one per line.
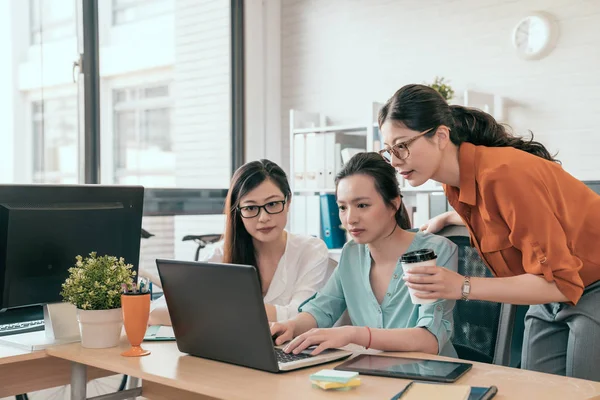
pixel 61 326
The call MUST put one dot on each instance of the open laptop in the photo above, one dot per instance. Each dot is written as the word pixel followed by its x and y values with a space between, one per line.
pixel 217 312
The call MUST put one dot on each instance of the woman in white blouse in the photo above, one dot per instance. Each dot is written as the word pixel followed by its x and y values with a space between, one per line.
pixel 291 267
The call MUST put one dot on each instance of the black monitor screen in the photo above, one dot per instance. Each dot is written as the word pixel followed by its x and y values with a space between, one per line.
pixel 41 233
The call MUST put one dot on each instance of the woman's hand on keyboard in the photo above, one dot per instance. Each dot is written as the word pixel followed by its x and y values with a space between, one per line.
pixel 323 338
pixel 282 331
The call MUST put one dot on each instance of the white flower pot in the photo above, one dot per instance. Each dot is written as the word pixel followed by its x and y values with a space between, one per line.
pixel 100 328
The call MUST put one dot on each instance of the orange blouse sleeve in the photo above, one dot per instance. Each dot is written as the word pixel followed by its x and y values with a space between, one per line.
pixel 529 209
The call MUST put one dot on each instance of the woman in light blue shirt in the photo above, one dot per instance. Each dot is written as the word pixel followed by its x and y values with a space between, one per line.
pixel 368 280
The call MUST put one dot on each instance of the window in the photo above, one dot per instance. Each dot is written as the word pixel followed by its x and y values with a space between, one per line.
pixel 51 20
pixel 143 148
pixel 125 11
pixel 40 105
pixel 168 88
pixel 55 144
pixel 166 110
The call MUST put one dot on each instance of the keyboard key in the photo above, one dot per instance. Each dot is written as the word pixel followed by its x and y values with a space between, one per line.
pixel 283 357
pixel 21 327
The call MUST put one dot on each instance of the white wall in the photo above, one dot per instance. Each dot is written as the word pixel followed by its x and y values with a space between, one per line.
pixel 339 55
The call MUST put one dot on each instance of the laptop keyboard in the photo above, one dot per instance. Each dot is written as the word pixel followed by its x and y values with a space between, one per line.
pixel 21 327
pixel 283 357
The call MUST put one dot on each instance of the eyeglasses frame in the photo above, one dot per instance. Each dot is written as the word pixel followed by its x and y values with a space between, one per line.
pixel 264 207
pixel 394 149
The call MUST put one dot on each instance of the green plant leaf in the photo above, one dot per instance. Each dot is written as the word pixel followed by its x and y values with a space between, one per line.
pixel 442 87
pixel 94 283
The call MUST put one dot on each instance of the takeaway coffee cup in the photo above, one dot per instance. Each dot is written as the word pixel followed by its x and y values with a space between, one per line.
pixel 418 258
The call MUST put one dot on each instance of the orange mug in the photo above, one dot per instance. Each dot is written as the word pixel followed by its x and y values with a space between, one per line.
pixel 136 311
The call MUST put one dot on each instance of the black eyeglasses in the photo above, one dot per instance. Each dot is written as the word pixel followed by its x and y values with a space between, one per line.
pixel 273 207
pixel 400 150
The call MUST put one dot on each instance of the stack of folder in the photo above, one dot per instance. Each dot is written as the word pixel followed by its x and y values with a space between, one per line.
pixel 332 379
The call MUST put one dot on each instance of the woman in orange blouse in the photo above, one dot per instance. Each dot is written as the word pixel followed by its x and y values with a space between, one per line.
pixel 536 226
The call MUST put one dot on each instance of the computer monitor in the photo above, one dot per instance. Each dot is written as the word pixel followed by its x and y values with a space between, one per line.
pixel 43 228
pixel 594 185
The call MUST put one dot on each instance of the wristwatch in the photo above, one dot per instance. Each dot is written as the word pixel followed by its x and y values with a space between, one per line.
pixel 466 288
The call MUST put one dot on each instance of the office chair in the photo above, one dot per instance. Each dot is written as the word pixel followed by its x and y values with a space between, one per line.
pixel 202 241
pixel 482 329
pixel 146 234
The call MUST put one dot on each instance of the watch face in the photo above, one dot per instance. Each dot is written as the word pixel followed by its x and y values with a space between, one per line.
pixel 466 289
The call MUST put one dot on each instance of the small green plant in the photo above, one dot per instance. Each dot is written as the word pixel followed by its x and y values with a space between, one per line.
pixel 95 283
pixel 442 87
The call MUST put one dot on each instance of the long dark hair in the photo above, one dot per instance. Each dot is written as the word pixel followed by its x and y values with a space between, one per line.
pixel 384 176
pixel 420 107
pixel 238 247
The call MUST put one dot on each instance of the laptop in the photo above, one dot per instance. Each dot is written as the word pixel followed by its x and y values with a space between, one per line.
pixel 217 312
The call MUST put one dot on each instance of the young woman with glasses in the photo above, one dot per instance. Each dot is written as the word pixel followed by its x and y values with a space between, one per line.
pixel 291 267
pixel 536 226
pixel 368 280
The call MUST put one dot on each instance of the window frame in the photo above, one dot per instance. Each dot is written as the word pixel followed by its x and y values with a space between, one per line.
pixel 162 201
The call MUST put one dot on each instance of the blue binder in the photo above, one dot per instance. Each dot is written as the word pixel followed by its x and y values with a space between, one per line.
pixel 331 232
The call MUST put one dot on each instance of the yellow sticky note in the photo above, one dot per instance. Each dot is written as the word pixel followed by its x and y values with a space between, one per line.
pixel 337 385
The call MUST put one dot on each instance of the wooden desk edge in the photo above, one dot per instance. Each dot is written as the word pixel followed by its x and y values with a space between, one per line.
pixel 158 391
pixel 162 384
pixel 10 356
pixel 31 374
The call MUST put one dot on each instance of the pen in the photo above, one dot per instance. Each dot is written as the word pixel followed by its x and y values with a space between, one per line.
pixel 150 288
pixel 403 391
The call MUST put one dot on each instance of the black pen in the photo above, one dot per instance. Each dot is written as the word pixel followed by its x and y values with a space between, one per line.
pixel 403 391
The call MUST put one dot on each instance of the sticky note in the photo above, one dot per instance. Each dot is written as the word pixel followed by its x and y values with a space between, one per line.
pixel 337 385
pixel 332 375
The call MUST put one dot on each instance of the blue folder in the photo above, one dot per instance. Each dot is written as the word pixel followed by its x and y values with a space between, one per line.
pixel 331 232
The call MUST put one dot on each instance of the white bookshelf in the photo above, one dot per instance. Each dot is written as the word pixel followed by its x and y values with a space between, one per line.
pixel 361 130
pixel 316 157
pixel 313 191
pixel 314 164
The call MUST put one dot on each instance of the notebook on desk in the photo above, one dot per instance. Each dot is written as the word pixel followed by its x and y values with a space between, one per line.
pixel 159 333
pixel 217 312
pixel 424 390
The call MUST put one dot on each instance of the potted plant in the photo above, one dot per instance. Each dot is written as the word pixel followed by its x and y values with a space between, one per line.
pixel 94 286
pixel 442 87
